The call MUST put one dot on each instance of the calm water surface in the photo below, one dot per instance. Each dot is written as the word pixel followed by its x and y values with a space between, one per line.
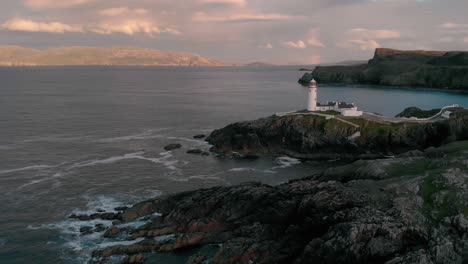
pixel 78 139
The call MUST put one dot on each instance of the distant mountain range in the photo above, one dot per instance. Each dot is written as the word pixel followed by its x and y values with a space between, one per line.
pixel 20 56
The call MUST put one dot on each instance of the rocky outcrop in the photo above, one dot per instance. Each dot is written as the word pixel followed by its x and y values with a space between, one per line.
pixel 418 112
pixel 389 215
pixel 172 146
pixel 315 137
pixel 428 69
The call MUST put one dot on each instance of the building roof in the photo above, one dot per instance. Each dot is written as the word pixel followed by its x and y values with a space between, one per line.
pixel 344 105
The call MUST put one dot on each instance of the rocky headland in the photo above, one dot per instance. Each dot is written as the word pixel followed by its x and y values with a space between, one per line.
pixel 427 69
pixel 408 208
pixel 318 138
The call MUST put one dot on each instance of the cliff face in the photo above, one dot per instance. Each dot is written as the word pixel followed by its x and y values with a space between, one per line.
pixel 314 137
pixel 12 55
pixel 431 69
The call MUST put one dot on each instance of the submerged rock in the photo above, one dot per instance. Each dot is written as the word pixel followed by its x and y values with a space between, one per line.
pixel 200 136
pixel 194 151
pixel 172 147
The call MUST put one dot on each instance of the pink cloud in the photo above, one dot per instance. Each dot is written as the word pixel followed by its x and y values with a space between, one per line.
pixel 240 17
pixel 295 44
pixel 18 24
pixel 315 42
pixel 375 34
pixel 52 4
pixel 225 2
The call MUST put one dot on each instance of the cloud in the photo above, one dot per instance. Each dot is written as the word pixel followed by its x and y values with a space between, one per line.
pixel 315 42
pixel 295 44
pixel 131 27
pixel 225 2
pixel 119 11
pixel 360 43
pixel 18 24
pixel 54 4
pixel 375 34
pixel 266 46
pixel 240 17
pixel 465 40
pixel 450 25
pixel 316 59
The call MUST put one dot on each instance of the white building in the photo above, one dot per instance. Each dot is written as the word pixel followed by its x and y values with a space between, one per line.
pixel 345 109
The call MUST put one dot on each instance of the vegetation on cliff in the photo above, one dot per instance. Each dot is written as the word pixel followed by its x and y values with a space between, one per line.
pixel 429 69
pixel 315 137
pixel 418 112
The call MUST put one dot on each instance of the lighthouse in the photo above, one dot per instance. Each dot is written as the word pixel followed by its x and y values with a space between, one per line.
pixel 312 105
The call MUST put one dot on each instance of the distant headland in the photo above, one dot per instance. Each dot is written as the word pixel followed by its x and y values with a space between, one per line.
pixel 418 68
pixel 132 56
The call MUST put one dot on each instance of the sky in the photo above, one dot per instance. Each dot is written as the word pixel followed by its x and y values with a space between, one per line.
pixel 241 31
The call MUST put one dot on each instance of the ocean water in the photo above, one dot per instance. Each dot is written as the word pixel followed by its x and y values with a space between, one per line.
pixel 78 139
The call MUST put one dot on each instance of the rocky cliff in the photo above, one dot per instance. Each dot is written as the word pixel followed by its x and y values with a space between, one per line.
pixel 428 69
pixel 315 137
pixel 409 209
pixel 13 55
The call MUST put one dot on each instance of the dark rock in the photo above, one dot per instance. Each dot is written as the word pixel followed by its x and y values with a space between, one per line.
pixel 100 211
pixel 121 208
pixel 433 69
pixel 113 232
pixel 204 153
pixel 135 259
pixel 404 210
pixel 315 138
pixel 99 228
pixel 194 151
pixel 172 147
pixel 86 230
pixel 201 136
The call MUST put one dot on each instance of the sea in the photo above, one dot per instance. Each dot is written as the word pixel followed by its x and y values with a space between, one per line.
pixel 82 139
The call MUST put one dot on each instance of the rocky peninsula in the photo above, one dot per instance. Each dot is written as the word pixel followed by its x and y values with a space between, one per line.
pixel 317 138
pixel 408 208
pixel 427 69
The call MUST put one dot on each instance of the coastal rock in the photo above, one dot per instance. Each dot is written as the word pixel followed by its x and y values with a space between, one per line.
pixel 200 136
pixel 172 147
pixel 194 151
pixel 135 259
pixel 397 216
pixel 318 138
pixel 428 69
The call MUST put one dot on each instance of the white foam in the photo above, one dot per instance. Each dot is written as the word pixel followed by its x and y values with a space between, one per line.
pixel 54 176
pixel 148 134
pixel 246 169
pixel 32 167
pixel 285 162
pixel 121 243
pixel 163 160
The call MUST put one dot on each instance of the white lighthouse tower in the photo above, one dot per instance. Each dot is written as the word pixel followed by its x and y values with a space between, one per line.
pixel 312 105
